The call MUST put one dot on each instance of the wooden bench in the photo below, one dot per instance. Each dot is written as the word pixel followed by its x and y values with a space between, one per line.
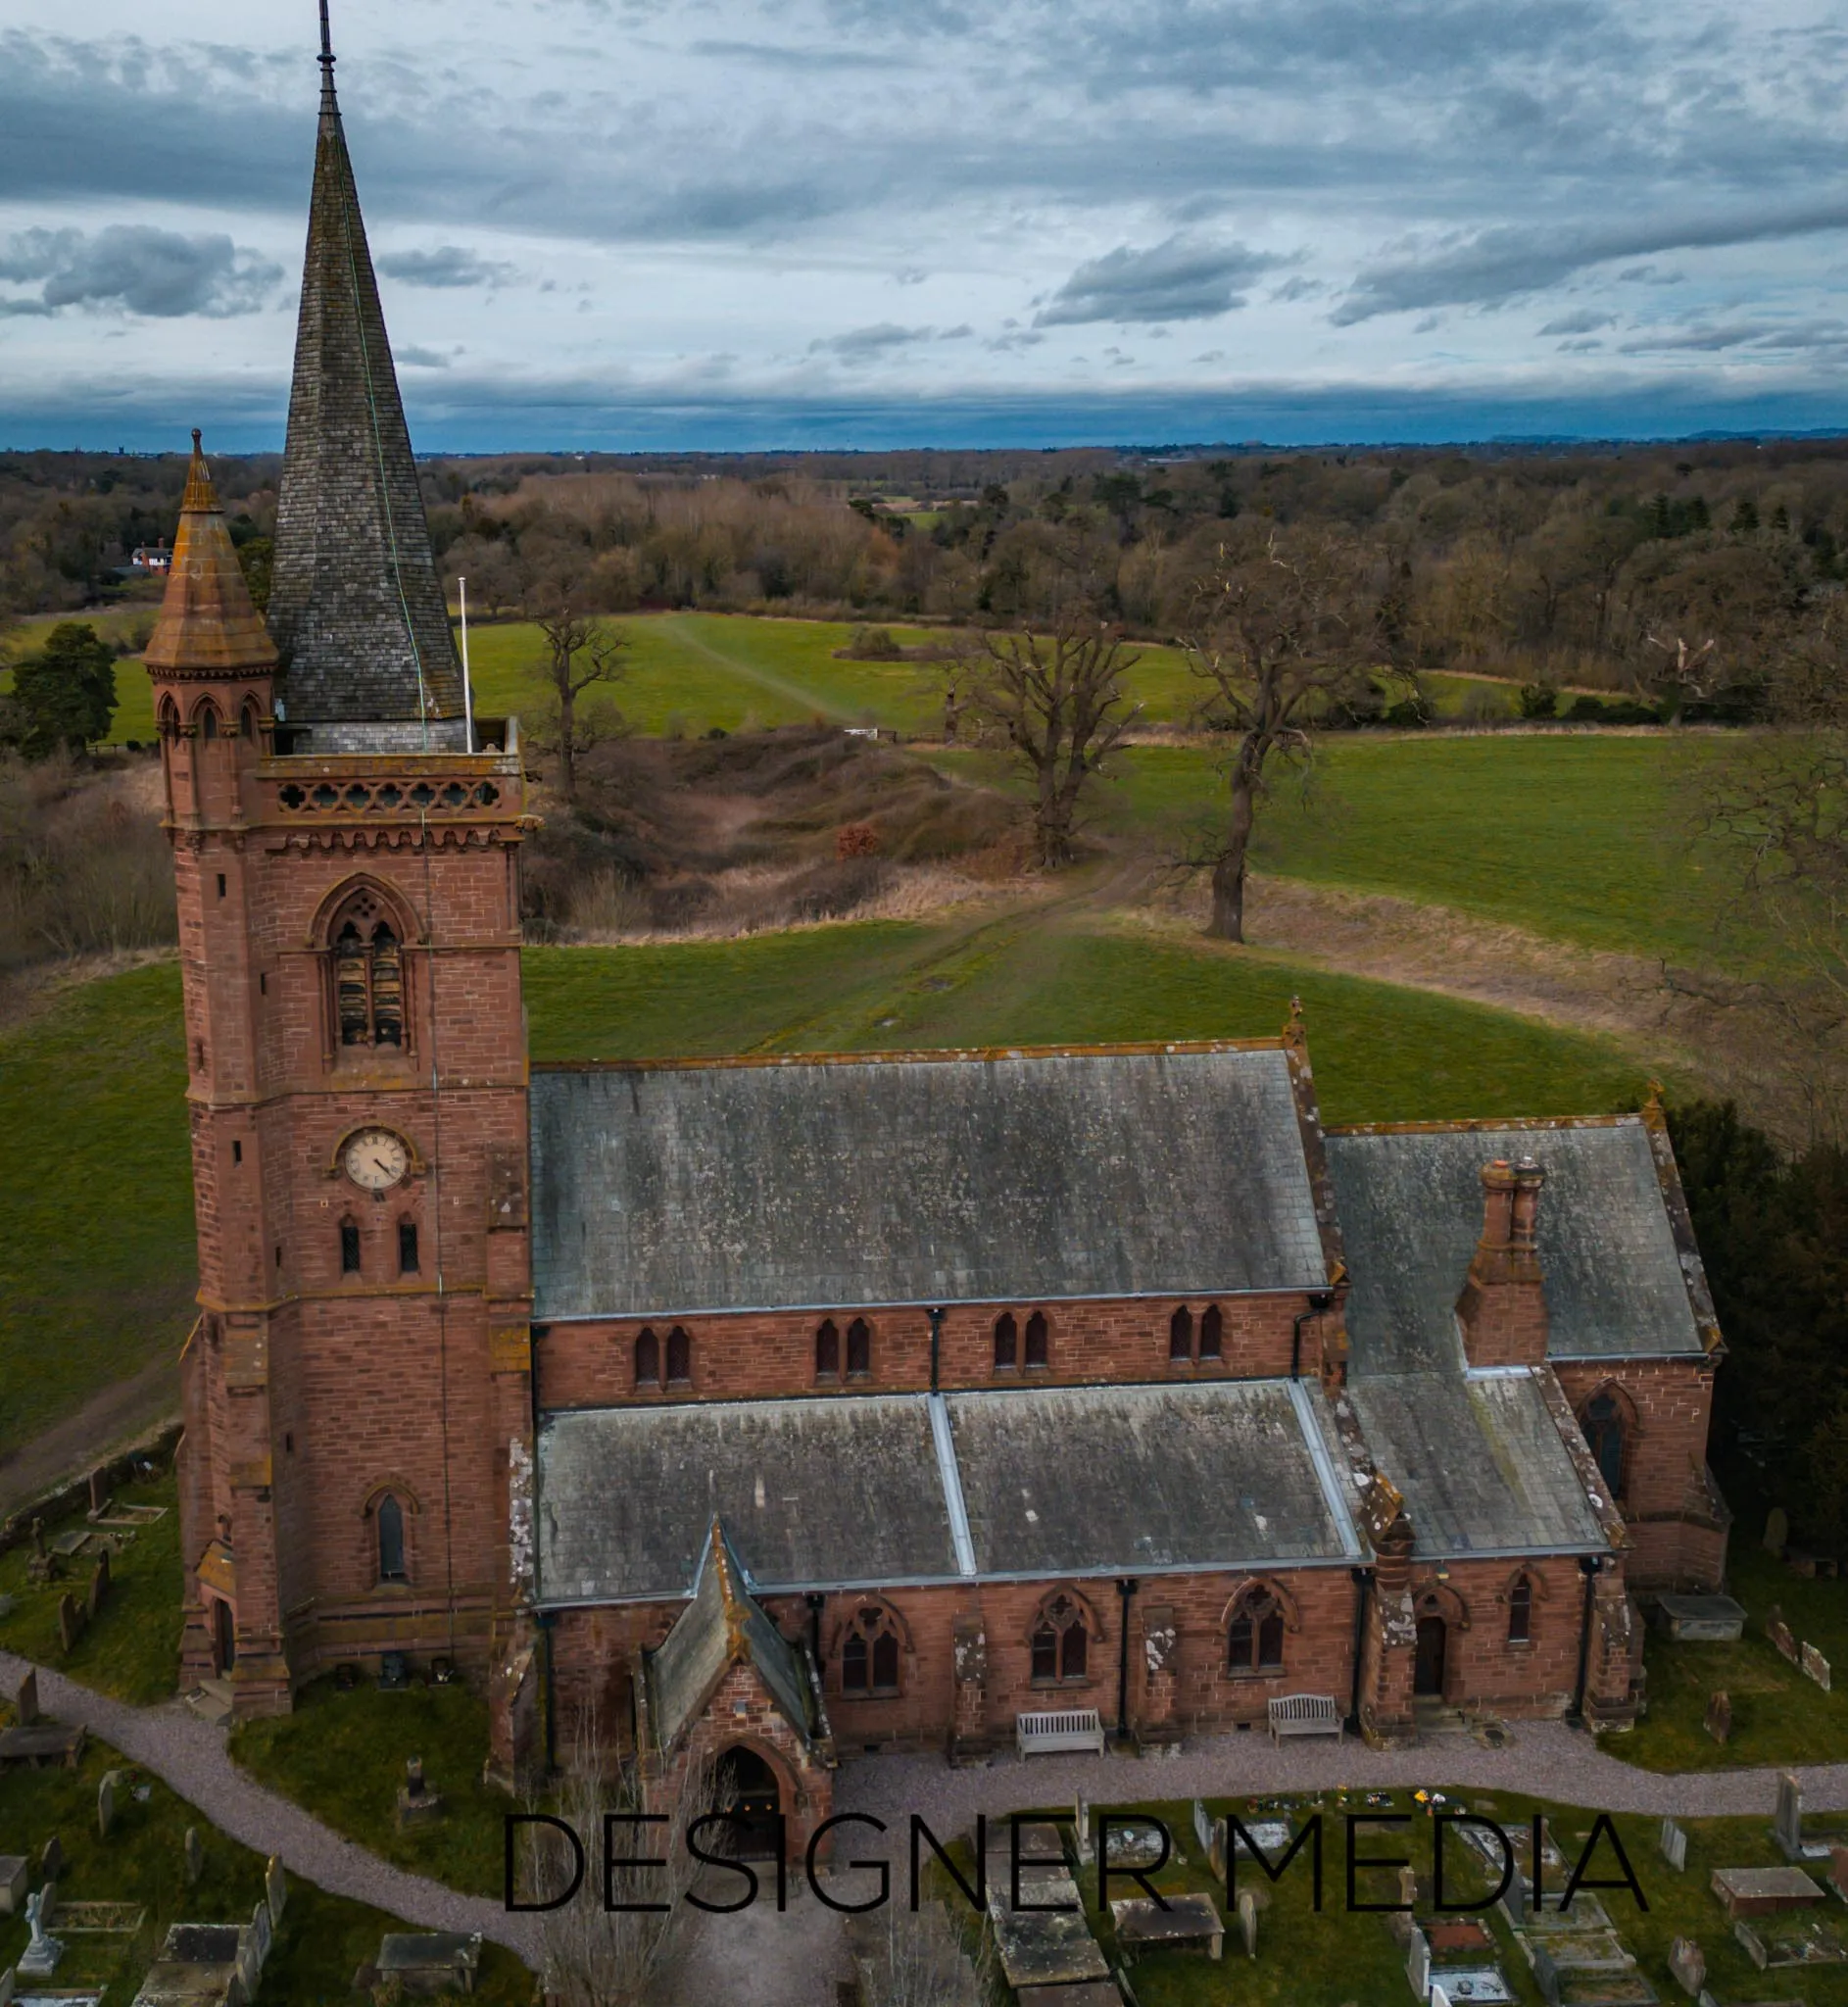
pixel 1060 1732
pixel 1305 1714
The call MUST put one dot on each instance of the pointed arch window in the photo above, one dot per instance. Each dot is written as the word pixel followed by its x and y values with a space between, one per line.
pixel 827 1350
pixel 1037 1339
pixel 870 1654
pixel 368 976
pixel 1006 1343
pixel 1180 1334
pixel 1603 1424
pixel 1254 1639
pixel 860 1349
pixel 679 1357
pixel 1520 1611
pixel 1061 1644
pixel 349 1246
pixel 1212 1332
pixel 648 1357
pixel 391 1540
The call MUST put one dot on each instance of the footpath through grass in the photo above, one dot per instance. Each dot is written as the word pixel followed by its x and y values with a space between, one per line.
pixel 97 1271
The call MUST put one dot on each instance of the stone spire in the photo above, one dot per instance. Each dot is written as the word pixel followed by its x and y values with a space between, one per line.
pixel 358 613
pixel 207 626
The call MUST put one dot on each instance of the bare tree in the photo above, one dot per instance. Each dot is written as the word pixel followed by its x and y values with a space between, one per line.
pixel 1282 630
pixel 596 1957
pixel 580 653
pixel 1058 699
pixel 914 1958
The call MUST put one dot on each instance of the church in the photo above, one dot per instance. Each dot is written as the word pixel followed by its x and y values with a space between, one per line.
pixel 769 1410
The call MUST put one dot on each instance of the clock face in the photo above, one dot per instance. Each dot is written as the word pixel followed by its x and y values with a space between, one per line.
pixel 375 1159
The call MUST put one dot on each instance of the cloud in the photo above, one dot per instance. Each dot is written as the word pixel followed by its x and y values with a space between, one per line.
pixel 448 264
pixel 864 344
pixel 411 358
pixel 1180 279
pixel 1503 263
pixel 1584 322
pixel 1710 338
pixel 138 270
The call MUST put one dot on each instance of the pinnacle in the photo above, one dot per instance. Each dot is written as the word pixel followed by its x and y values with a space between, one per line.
pixel 208 626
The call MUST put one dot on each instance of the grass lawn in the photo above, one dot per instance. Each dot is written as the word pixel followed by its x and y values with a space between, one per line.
pixel 1333 1958
pixel 343 1757
pixel 1778 1715
pixel 322 1939
pixel 132 1648
pixel 96 1265
pixel 1572 836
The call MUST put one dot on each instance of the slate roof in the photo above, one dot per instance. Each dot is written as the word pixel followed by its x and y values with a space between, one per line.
pixel 1480 1462
pixel 722 1625
pixel 960 1178
pixel 355 606
pixel 1410 1203
pixel 860 1492
pixel 208 626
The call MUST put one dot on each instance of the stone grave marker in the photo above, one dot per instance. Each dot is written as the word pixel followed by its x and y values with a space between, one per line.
pixel 14 1879
pixel 1081 1829
pixel 1780 1634
pixel 1418 1964
pixel 1815 1666
pixel 1718 1721
pixel 51 1860
pixel 1203 1834
pixel 99 1492
pixel 41 1564
pixel 1673 1846
pixel 1408 1887
pixel 99 1584
pixel 1776 1531
pixel 39 1959
pixel 106 1803
pixel 26 1701
pixel 1788 1822
pixel 195 1856
pixel 7 1983
pixel 70 1621
pixel 417 1803
pixel 1687 1966
pixel 275 1888
pixel 1248 1921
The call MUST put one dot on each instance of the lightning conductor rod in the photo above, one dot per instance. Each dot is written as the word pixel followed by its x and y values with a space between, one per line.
pixel 469 695
pixel 326 54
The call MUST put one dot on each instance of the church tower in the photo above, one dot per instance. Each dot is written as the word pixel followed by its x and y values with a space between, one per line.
pixel 347 865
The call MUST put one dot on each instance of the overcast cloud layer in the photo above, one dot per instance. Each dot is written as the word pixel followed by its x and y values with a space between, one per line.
pixel 733 222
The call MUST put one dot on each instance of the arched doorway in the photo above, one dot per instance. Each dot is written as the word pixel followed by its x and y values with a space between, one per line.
pixel 1428 1661
pixel 747 1786
pixel 224 1635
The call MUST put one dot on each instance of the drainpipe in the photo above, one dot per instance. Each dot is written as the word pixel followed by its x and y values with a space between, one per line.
pixel 1590 1564
pixel 1125 1587
pixel 1319 1301
pixel 546 1619
pixel 936 1315
pixel 1363 1584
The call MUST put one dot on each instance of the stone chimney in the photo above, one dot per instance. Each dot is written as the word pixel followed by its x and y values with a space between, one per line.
pixel 1501 1314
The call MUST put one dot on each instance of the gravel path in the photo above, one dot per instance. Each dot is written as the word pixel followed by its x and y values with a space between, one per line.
pixel 191 1757
pixel 1544 1759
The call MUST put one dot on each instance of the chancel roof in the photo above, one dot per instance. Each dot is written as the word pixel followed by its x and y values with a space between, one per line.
pixel 955 1178
pixel 883 1490
pixel 1410 1203
pixel 355 604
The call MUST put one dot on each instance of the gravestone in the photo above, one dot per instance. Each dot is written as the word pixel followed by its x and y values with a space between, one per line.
pixel 1687 1966
pixel 1718 1718
pixel 14 1881
pixel 1203 1834
pixel 70 1621
pixel 394 1673
pixel 1789 1823
pixel 1815 1666
pixel 39 1959
pixel 41 1565
pixel 1780 1634
pixel 195 1856
pixel 26 1701
pixel 99 1492
pixel 106 1803
pixel 51 1860
pixel 417 1803
pixel 1418 1964
pixel 1408 1889
pixel 99 1584
pixel 1673 1846
pixel 1081 1828
pixel 1248 1921
pixel 6 1987
pixel 1776 1531
pixel 275 1888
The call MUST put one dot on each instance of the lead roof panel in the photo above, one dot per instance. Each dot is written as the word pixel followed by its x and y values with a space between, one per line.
pixel 918 1181
pixel 1410 1204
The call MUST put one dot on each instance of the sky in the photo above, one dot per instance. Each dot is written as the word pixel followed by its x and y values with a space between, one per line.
pixel 756 224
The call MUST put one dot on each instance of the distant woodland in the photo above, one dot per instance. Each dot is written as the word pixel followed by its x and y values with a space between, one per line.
pixel 1567 569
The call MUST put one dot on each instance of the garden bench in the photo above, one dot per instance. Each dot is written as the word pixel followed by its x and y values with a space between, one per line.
pixel 1304 1714
pixel 1059 1733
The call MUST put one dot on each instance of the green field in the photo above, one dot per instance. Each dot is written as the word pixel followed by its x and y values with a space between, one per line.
pixel 97 1273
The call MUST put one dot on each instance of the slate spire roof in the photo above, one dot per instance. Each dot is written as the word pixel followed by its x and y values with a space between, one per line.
pixel 207 626
pixel 355 604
